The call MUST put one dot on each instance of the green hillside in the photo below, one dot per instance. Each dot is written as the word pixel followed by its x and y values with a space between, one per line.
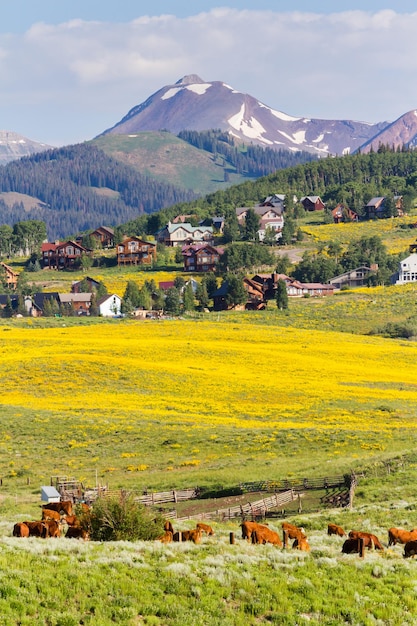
pixel 168 159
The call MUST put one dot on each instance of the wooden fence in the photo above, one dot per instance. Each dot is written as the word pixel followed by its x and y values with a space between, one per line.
pixel 250 510
pixel 303 484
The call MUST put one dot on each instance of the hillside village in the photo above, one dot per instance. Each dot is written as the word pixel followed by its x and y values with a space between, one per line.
pixel 206 252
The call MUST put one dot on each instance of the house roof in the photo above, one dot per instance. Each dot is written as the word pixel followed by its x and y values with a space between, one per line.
pixel 12 297
pixel 46 247
pixel 39 299
pixel 376 202
pixel 165 285
pixel 110 296
pixel 66 298
pixel 9 269
pixel 106 229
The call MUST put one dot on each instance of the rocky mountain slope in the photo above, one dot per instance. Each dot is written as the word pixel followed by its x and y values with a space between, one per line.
pixel 401 132
pixel 14 146
pixel 194 104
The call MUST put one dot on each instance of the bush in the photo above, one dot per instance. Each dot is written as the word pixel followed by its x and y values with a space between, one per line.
pixel 115 519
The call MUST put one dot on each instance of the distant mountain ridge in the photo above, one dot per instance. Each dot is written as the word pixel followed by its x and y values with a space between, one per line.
pixel 194 104
pixel 14 146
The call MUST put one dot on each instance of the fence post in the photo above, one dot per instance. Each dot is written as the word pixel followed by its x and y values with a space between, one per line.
pixel 232 538
pixel 361 548
pixel 300 508
pixel 285 538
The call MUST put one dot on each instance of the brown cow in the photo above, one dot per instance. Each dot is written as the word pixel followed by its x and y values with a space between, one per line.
pixel 301 543
pixel 72 520
pixel 188 535
pixel 398 535
pixel 76 532
pixel 166 537
pixel 64 506
pixel 410 549
pixel 293 531
pixel 54 529
pixel 249 527
pixel 49 514
pixel 266 535
pixel 205 528
pixel 351 546
pixel 20 530
pixel 168 526
pixel 370 540
pixel 37 529
pixel 334 529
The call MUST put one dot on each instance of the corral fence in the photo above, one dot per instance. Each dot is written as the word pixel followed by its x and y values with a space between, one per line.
pixel 328 482
pixel 252 510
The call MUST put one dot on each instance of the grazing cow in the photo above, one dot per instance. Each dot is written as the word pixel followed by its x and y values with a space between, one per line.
pixel 398 535
pixel 76 532
pixel 292 531
pixel 168 526
pixel 65 506
pixel 334 529
pixel 249 527
pixel 205 528
pixel 351 546
pixel 20 530
pixel 301 543
pixel 410 549
pixel 37 529
pixel 166 537
pixel 72 520
pixel 188 535
pixel 266 535
pixel 54 529
pixel 370 540
pixel 49 514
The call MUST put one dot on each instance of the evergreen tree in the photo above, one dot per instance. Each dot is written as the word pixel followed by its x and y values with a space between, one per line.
pixel 202 294
pixel 236 292
pixel 131 294
pixel 252 223
pixel 172 304
pixel 188 298
pixel 281 297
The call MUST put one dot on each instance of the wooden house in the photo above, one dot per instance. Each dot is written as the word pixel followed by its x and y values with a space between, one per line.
pixel 342 213
pixel 105 236
pixel 92 284
pixel 357 277
pixel 10 276
pixel 62 255
pixel 200 257
pixel 80 303
pixel 135 251
pixel 312 203
pixel 255 297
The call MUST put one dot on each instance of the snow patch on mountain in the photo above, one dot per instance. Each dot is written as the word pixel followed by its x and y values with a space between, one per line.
pixel 199 89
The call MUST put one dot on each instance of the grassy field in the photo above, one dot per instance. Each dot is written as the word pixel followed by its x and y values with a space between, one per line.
pixel 210 401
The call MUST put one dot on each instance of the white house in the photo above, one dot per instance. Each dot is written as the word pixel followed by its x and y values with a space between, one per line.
pixel 109 305
pixel 407 271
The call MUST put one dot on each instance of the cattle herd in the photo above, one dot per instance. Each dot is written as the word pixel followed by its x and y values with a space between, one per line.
pixel 56 517
pixel 256 533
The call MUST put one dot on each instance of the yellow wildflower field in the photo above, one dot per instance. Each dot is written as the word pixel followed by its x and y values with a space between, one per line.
pixel 164 403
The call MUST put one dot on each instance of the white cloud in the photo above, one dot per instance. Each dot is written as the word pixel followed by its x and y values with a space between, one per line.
pixel 72 80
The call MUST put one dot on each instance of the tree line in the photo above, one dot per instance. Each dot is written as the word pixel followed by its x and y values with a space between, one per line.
pixel 249 160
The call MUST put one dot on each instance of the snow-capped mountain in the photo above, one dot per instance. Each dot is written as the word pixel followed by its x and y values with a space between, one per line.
pixel 14 146
pixel 194 104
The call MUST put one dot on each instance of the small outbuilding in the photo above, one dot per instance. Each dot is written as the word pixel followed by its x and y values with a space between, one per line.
pixel 50 494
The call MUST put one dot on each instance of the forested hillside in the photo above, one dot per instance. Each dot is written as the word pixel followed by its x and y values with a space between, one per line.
pixel 249 160
pixel 352 179
pixel 80 187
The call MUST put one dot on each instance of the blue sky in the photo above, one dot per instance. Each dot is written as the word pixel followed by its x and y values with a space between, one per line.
pixel 69 69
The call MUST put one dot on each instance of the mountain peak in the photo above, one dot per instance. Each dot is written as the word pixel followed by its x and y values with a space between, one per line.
pixel 190 79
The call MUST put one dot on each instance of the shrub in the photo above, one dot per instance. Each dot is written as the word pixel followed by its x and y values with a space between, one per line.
pixel 115 519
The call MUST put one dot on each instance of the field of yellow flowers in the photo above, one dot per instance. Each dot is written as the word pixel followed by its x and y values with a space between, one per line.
pixel 169 403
